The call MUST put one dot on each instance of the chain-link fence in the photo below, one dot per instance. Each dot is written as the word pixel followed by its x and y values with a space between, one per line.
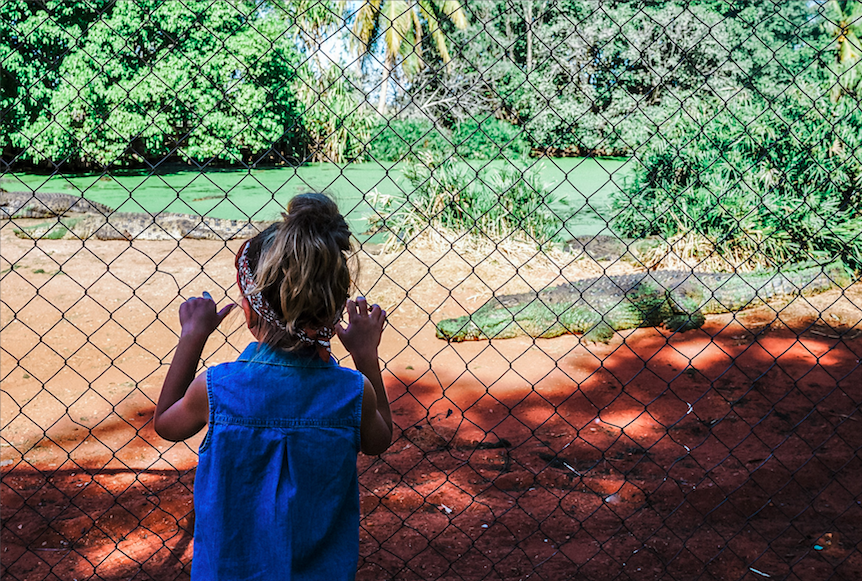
pixel 619 244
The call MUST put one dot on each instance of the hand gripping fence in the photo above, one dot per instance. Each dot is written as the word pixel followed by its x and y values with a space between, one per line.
pixel 619 244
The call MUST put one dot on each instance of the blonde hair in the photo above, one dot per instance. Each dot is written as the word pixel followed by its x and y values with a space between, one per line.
pixel 302 268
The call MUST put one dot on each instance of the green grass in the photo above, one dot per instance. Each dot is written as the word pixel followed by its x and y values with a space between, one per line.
pixel 262 193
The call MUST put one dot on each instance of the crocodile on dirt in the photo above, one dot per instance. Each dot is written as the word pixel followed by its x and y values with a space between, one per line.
pixel 78 218
pixel 597 307
pixel 46 205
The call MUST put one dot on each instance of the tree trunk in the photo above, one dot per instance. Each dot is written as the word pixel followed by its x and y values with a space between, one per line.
pixel 528 19
pixel 384 86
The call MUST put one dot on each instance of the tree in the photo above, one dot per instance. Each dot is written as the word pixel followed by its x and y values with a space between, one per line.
pixel 152 80
pixel 337 125
pixel 335 121
pixel 399 24
pixel 35 37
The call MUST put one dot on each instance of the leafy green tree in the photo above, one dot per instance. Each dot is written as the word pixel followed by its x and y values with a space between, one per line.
pixel 148 79
pixel 34 39
pixel 399 24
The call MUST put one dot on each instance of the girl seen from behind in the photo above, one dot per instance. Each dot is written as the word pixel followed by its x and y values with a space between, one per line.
pixel 276 491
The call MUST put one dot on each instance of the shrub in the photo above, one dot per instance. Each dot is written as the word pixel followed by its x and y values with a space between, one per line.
pixel 492 203
pixel 397 139
pixel 758 182
pixel 489 139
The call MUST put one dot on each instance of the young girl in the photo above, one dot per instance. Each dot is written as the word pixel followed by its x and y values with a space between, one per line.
pixel 276 489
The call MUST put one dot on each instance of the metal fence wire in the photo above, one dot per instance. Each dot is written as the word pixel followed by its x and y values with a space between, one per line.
pixel 619 244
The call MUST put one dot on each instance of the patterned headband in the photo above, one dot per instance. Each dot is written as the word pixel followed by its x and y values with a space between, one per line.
pixel 318 338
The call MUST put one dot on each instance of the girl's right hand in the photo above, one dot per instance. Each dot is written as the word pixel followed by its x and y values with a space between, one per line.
pixel 198 316
pixel 364 327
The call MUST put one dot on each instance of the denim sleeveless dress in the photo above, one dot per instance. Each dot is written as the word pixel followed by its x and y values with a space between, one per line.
pixel 276 490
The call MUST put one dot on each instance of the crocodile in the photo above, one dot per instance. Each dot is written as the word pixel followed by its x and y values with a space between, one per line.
pixel 46 205
pixel 77 218
pixel 597 307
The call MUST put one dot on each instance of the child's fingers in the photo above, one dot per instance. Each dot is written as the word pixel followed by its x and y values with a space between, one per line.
pixel 362 304
pixel 207 295
pixel 360 307
pixel 380 316
pixel 350 308
pixel 225 311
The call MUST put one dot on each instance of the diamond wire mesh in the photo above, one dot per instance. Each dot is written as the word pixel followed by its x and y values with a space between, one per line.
pixel 727 451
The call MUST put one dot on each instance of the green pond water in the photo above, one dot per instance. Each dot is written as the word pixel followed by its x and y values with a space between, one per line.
pixel 260 194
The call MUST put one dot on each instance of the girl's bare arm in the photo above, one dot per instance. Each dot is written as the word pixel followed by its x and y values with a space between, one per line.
pixel 183 408
pixel 361 339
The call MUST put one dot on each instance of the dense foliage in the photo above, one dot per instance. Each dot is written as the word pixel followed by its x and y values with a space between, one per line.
pixel 743 116
pixel 490 138
pixel 756 183
pixel 595 78
pixel 396 139
pixel 147 79
pixel 452 198
pixel 770 171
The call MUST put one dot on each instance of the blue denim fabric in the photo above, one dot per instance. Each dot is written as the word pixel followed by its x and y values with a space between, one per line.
pixel 276 490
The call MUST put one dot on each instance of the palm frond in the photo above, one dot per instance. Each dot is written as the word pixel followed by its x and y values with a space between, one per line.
pixel 396 22
pixel 365 25
pixel 435 30
pixel 453 10
pixel 411 48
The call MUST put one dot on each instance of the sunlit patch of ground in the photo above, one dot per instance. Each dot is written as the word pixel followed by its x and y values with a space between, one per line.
pixel 724 448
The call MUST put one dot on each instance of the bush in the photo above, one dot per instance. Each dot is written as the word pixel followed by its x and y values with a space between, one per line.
pixel 151 80
pixel 492 203
pixel 490 139
pixel 397 139
pixel 759 183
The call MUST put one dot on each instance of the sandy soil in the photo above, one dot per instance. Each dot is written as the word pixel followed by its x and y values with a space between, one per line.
pixel 717 452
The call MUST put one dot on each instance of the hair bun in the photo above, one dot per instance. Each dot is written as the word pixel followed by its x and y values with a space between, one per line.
pixel 313 206
pixel 318 214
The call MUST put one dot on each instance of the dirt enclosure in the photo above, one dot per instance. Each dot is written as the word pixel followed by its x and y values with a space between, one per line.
pixel 730 452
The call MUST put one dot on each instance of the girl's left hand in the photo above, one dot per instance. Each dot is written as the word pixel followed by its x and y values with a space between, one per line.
pixel 198 316
pixel 364 327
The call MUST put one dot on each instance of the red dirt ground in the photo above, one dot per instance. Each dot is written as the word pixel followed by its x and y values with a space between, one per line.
pixel 730 452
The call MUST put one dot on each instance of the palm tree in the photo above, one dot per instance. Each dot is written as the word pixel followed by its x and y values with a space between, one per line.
pixel 399 23
pixel 844 20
